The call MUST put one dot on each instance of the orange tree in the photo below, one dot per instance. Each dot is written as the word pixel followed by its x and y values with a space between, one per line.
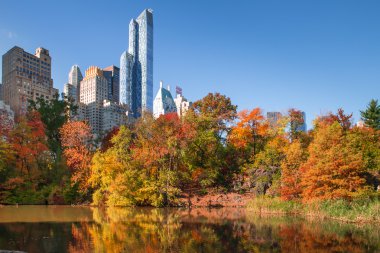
pixel 76 140
pixel 334 168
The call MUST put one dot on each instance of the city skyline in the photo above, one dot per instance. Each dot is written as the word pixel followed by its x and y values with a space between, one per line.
pixel 314 57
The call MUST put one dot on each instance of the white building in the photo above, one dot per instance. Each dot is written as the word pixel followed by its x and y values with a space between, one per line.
pixel 182 105
pixel 113 115
pixel 163 102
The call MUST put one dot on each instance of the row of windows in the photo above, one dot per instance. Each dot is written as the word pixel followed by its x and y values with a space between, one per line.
pixel 34 58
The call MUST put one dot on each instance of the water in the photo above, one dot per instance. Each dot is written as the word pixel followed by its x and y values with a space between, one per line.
pixel 85 229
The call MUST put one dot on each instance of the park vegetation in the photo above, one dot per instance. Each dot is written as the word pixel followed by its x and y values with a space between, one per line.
pixel 46 158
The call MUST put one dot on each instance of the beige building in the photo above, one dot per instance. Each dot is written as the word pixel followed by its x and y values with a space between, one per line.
pixel 26 76
pixel 93 90
pixel 101 114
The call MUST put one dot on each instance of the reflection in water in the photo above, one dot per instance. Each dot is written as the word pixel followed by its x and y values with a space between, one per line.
pixel 84 229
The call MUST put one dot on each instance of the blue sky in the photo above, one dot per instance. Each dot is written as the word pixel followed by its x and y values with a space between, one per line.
pixel 313 55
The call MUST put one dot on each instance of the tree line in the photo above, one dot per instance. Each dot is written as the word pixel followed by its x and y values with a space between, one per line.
pixel 47 158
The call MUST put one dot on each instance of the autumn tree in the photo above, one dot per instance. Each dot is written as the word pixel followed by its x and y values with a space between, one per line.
pixel 296 121
pixel 344 120
pixel 208 156
pixel 29 142
pixel 249 132
pixel 367 142
pixel 218 112
pixel 291 174
pixel 114 175
pixel 371 116
pixel 78 150
pixel 333 170
pixel 159 149
pixel 54 113
pixel 6 150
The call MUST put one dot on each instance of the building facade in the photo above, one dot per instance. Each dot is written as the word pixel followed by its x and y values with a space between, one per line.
pixel 163 102
pixel 141 50
pixel 26 76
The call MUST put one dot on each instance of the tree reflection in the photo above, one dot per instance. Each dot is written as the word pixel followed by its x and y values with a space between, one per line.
pixel 176 230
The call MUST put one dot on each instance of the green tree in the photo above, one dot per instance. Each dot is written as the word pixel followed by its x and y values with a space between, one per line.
pixel 371 116
pixel 208 156
pixel 54 114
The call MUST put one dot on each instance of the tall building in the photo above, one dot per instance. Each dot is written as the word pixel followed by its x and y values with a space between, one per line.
pixel 112 73
pixel 273 118
pixel 73 85
pixel 125 87
pixel 26 76
pixel 75 76
pixel 141 50
pixel 95 107
pixel 163 102
pixel 93 90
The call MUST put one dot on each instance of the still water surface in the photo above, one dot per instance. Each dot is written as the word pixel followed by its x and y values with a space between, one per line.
pixel 86 229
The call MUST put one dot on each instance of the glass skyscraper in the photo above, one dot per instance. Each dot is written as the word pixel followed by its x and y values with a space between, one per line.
pixel 111 73
pixel 125 89
pixel 137 65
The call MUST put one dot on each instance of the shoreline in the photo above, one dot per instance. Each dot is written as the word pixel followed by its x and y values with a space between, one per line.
pixel 340 211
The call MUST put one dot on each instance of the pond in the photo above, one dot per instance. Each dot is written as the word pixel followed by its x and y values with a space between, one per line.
pixel 88 229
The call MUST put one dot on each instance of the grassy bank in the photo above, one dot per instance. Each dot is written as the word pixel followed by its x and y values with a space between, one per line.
pixel 363 210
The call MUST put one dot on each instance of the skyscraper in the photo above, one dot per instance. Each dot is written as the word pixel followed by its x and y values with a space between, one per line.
pixel 125 86
pixel 26 76
pixel 75 77
pixel 141 50
pixel 111 73
pixel 93 91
